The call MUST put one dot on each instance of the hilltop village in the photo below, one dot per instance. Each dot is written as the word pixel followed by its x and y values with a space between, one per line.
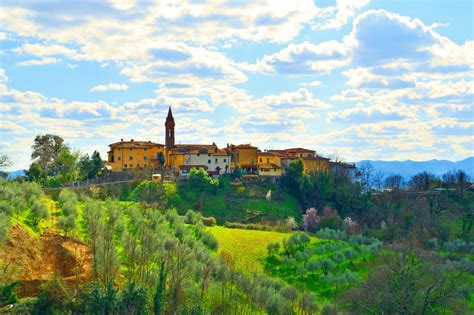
pixel 250 160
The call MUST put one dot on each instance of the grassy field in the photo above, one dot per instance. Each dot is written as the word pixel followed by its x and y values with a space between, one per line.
pixel 248 247
pixel 238 203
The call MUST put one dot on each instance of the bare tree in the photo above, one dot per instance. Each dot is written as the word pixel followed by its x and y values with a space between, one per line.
pixel 378 179
pixel 4 160
pixel 394 181
pixel 366 171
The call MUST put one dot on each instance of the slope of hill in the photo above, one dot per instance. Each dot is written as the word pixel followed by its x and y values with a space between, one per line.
pixel 409 168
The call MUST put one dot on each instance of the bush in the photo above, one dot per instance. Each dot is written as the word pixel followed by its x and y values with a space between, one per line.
pixel 209 240
pixel 250 226
pixel 209 221
pixel 7 293
pixel 332 222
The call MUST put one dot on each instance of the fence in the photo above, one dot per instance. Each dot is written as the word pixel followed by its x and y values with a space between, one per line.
pixel 124 176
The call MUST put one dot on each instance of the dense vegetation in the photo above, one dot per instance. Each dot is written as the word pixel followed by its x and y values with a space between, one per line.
pixel 308 243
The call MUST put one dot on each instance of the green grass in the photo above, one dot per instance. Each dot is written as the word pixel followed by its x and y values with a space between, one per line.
pixel 238 203
pixel 248 247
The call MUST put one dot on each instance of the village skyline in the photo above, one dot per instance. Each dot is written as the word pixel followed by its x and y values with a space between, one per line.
pixel 311 74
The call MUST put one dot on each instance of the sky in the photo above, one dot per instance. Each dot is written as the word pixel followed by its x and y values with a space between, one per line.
pixel 360 79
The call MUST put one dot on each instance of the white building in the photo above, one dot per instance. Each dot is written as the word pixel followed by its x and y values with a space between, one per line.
pixel 214 160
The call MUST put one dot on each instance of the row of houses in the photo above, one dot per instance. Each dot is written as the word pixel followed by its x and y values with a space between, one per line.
pixel 251 160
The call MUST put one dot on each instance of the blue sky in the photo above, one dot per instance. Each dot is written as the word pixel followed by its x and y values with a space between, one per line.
pixel 390 80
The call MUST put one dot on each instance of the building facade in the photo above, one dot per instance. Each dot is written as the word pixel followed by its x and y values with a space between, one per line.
pixel 126 155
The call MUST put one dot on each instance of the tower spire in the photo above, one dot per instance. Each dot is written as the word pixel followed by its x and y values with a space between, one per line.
pixel 169 128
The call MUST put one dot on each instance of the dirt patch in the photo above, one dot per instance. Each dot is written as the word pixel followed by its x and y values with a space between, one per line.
pixel 34 260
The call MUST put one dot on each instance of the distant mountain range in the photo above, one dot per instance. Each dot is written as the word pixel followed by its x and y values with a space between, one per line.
pixel 409 168
pixel 15 174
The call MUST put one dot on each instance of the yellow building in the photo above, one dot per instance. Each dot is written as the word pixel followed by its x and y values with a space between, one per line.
pixel 125 155
pixel 269 164
pixel 245 157
pixel 310 164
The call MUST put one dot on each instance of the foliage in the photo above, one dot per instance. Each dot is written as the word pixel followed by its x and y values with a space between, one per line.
pixel 199 180
pixel 8 294
pixel 311 219
pixel 408 280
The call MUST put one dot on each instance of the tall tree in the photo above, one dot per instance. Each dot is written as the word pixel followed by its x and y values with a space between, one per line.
pixel 46 150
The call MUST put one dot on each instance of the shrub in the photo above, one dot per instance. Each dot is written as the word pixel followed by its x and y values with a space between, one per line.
pixel 7 293
pixel 208 221
pixel 311 219
pixel 273 248
pixel 209 240
pixel 250 226
pixel 291 224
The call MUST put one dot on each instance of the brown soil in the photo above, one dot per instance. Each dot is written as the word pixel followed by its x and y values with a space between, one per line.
pixel 34 260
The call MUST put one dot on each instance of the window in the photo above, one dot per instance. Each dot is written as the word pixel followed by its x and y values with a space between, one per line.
pixel 208 161
pixel 144 149
pixel 225 160
pixel 144 158
pixel 130 158
pixel 261 160
pixel 216 160
pixel 209 154
pixel 198 154
pixel 120 149
pixel 138 165
pixel 125 165
pixel 131 149
pixel 268 160
pixel 119 158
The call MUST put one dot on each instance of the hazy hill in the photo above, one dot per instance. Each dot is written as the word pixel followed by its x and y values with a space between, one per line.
pixel 409 168
pixel 15 174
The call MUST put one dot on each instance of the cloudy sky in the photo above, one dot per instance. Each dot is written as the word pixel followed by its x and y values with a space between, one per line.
pixel 364 79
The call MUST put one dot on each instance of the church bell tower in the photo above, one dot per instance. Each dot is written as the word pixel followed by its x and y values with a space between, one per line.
pixel 169 126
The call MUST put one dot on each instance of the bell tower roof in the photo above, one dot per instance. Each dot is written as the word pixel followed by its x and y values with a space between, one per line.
pixel 170 114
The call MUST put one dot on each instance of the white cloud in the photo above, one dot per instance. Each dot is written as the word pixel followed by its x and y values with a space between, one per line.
pixel 305 58
pixel 9 126
pixel 338 15
pixel 301 97
pixel 363 114
pixel 39 62
pixel 110 87
pixel 311 84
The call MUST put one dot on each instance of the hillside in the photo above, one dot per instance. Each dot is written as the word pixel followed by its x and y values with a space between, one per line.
pixel 409 168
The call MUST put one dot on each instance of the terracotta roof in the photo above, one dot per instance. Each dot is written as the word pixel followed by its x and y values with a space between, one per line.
pixel 221 153
pixel 343 165
pixel 267 153
pixel 194 148
pixel 242 146
pixel 266 166
pixel 317 157
pixel 299 150
pixel 134 144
